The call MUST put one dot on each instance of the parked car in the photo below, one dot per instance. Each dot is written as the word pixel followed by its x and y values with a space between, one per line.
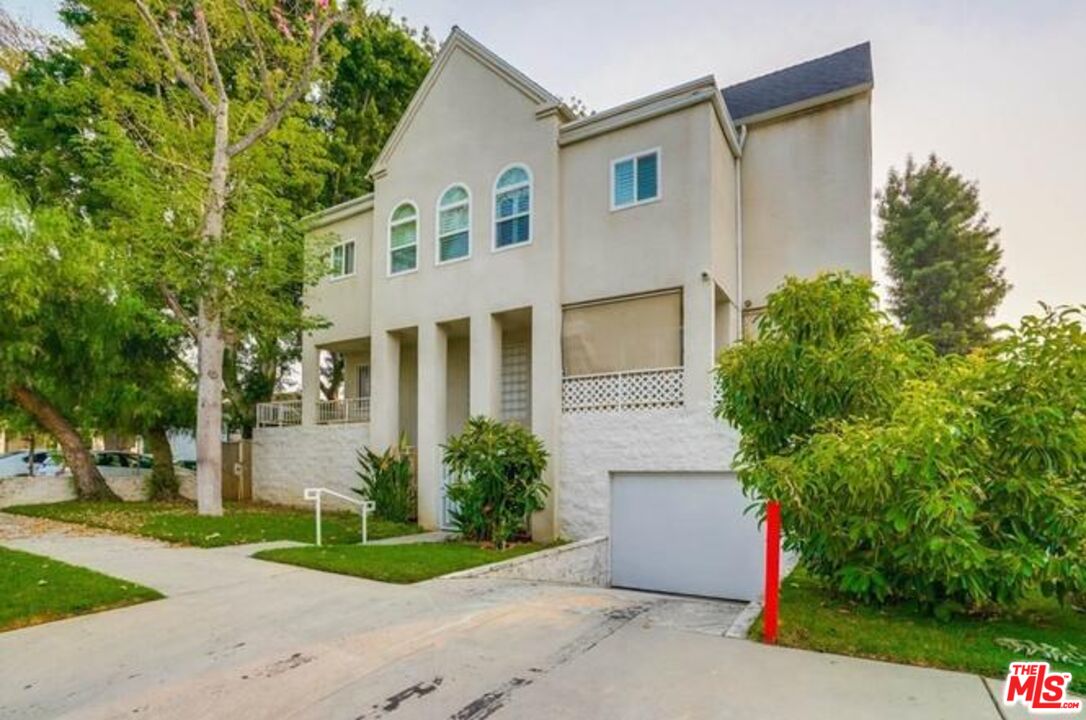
pixel 113 463
pixel 117 463
pixel 17 464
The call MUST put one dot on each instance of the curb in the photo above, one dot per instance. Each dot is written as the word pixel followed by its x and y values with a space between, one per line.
pixel 522 560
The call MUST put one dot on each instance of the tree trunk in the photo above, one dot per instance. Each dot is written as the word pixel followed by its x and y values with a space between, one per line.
pixel 164 482
pixel 89 483
pixel 209 389
pixel 209 416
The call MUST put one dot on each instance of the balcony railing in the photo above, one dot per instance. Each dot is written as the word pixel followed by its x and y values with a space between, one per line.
pixel 279 414
pixel 351 410
pixel 633 390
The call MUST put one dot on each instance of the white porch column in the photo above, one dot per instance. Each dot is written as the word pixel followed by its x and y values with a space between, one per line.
pixel 486 348
pixel 384 390
pixel 699 330
pixel 311 380
pixel 432 394
pixel 546 407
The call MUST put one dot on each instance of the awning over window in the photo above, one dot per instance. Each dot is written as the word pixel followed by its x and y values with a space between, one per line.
pixel 637 333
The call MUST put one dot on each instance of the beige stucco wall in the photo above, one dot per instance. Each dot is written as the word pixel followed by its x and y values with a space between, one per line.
pixel 806 207
pixel 807 196
pixel 657 245
pixel 723 208
pixel 470 127
pixel 344 302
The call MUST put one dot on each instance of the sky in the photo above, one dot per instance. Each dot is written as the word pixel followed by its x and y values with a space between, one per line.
pixel 995 87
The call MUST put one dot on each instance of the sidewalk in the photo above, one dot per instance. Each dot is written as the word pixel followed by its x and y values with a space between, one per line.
pixel 238 637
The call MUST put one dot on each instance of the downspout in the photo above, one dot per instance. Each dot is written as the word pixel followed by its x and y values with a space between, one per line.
pixel 739 227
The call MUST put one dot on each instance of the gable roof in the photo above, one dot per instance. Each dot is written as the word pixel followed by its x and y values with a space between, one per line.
pixel 835 74
pixel 460 40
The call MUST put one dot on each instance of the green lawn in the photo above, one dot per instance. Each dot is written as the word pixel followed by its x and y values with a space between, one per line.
pixel 814 619
pixel 396 563
pixel 240 523
pixel 38 589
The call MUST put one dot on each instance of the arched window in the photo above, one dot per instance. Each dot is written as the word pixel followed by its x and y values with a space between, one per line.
pixel 513 207
pixel 454 224
pixel 403 239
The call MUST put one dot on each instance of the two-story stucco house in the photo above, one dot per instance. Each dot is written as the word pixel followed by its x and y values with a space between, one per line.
pixel 579 276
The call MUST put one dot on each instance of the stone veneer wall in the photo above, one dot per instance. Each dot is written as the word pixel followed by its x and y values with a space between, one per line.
pixel 286 460
pixel 58 488
pixel 596 444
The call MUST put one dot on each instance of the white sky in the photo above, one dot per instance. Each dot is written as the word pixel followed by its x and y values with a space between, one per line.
pixel 995 87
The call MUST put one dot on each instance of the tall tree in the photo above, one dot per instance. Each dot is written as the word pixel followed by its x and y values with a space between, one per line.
pixel 383 62
pixel 60 316
pixel 211 93
pixel 18 42
pixel 942 256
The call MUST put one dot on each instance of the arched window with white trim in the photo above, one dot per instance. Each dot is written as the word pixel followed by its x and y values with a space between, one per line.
pixel 513 208
pixel 403 239
pixel 454 224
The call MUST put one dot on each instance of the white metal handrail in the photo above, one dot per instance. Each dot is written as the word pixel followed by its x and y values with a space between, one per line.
pixel 365 507
pixel 278 414
pixel 350 410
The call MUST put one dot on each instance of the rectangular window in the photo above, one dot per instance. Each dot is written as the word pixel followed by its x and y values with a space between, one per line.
pixel 635 179
pixel 513 216
pixel 363 386
pixel 453 242
pixel 343 259
pixel 404 246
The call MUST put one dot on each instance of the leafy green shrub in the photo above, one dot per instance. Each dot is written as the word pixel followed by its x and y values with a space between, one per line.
pixel 823 352
pixel 497 469
pixel 388 480
pixel 954 483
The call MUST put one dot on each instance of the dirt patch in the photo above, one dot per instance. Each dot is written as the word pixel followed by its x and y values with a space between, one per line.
pixel 15 527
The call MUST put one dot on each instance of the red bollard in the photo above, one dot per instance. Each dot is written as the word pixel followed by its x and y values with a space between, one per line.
pixel 772 571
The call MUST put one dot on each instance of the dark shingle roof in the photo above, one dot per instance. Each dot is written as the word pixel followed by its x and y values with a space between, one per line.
pixel 844 69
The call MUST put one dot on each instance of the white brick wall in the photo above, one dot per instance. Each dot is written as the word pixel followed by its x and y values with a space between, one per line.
pixel 287 460
pixel 596 444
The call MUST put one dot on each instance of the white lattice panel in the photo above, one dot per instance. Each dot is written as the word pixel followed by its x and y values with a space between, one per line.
pixel 637 390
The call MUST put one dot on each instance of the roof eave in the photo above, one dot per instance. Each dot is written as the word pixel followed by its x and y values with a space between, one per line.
pixel 805 104
pixel 336 213
pixel 679 97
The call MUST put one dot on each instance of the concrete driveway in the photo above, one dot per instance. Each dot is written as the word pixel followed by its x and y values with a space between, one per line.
pixel 241 638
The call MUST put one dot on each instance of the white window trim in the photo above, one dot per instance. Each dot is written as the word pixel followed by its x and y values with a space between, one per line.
pixel 336 278
pixel 494 208
pixel 437 224
pixel 659 179
pixel 388 244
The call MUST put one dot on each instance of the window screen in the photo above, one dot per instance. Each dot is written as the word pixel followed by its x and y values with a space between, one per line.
pixel 639 333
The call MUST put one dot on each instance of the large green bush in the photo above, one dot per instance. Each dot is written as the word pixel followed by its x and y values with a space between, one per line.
pixel 497 469
pixel 388 479
pixel 962 484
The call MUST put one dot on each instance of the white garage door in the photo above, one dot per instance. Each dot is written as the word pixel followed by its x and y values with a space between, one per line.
pixel 685 533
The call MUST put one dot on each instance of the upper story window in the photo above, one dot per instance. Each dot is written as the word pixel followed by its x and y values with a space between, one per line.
pixel 513 208
pixel 342 259
pixel 403 239
pixel 635 179
pixel 454 225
